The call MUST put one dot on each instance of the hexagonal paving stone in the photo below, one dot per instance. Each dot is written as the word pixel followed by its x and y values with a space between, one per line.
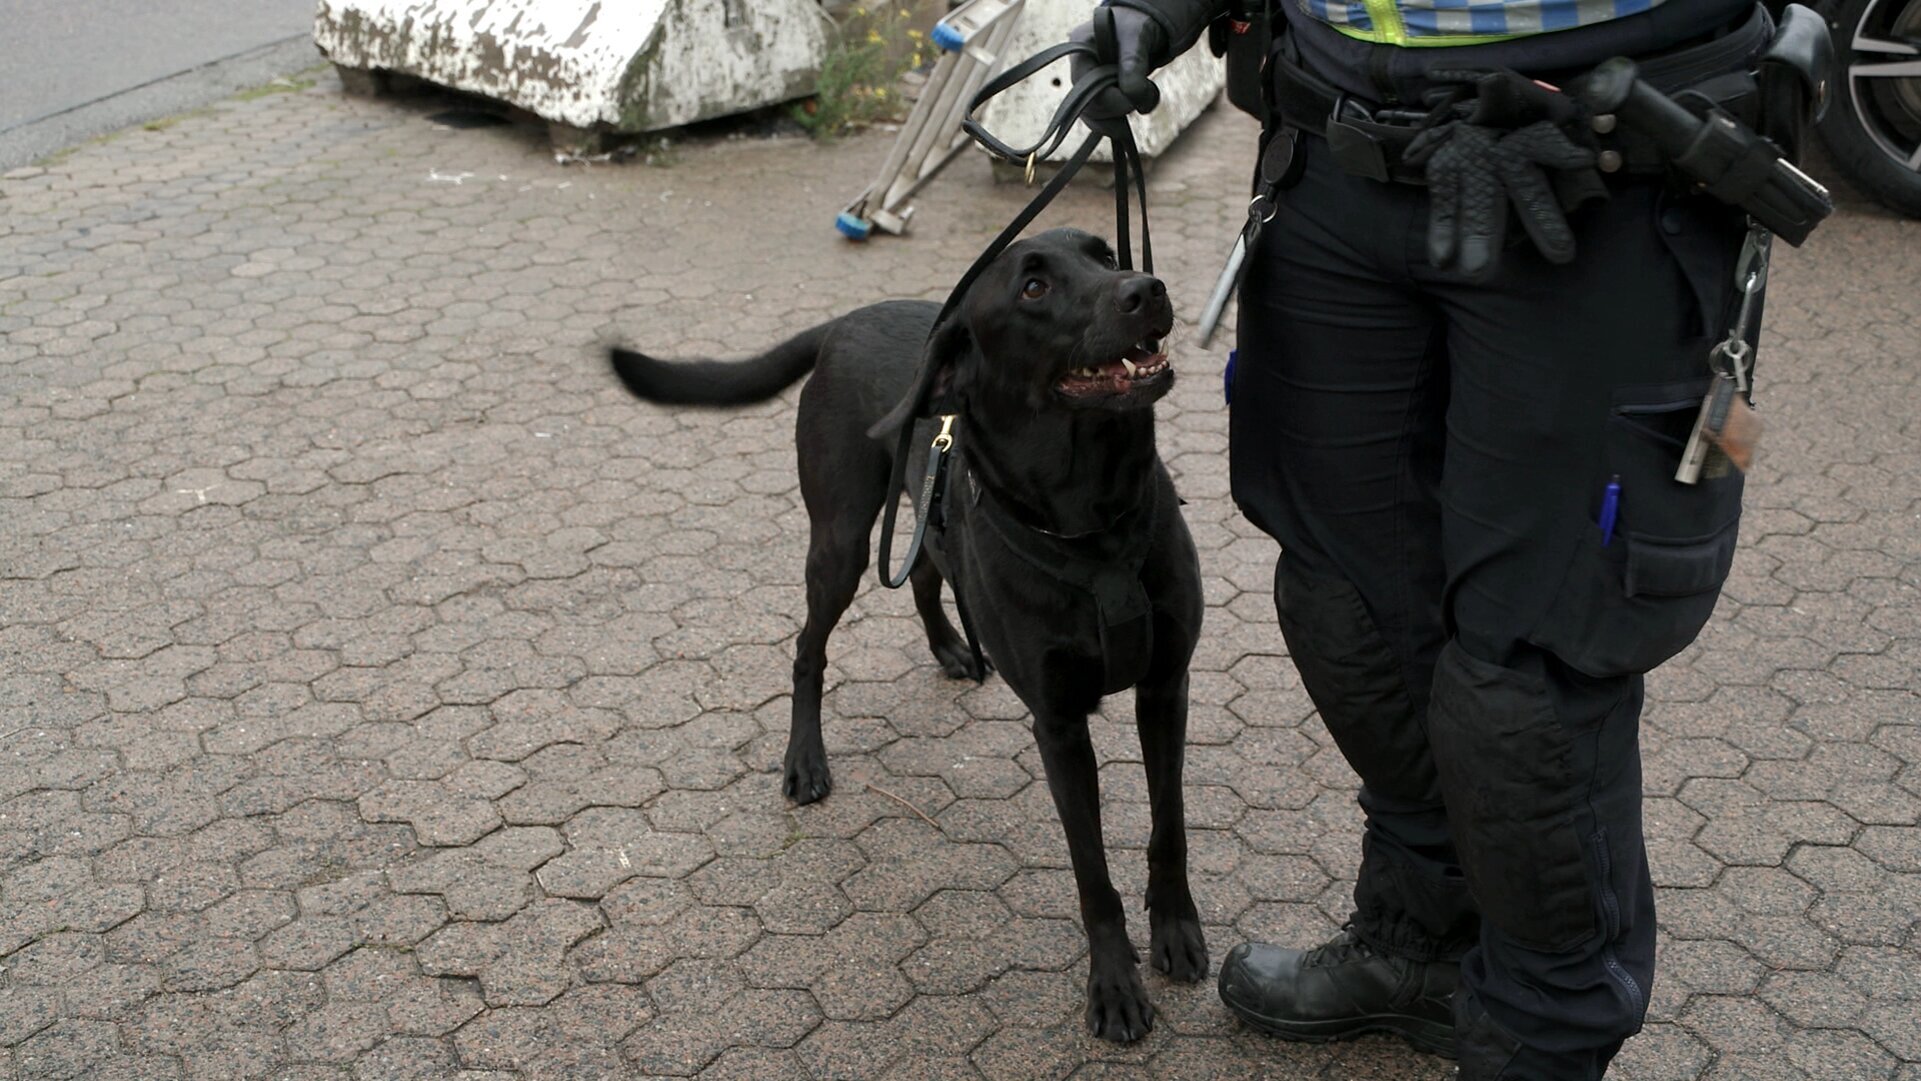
pixel 399 698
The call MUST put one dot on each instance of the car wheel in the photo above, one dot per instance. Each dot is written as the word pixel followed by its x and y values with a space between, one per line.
pixel 1873 125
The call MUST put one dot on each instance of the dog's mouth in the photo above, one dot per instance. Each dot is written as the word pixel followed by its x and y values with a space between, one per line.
pixel 1143 365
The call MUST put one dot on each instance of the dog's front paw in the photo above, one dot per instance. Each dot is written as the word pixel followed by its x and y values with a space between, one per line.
pixel 957 662
pixel 1177 946
pixel 1118 1008
pixel 805 777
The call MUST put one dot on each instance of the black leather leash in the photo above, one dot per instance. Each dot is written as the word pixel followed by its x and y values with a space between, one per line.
pixel 933 492
pixel 1127 165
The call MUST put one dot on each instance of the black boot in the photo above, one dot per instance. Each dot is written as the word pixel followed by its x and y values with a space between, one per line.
pixel 1339 990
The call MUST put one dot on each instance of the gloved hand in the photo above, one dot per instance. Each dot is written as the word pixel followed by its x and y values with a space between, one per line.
pixel 1142 47
pixel 1147 34
pixel 1492 152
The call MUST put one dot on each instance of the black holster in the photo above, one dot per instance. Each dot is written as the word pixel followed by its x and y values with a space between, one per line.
pixel 1792 77
pixel 1245 37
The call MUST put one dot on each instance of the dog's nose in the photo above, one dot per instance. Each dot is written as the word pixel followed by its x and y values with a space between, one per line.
pixel 1137 291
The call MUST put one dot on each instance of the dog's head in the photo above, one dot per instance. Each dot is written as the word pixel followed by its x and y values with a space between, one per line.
pixel 1052 323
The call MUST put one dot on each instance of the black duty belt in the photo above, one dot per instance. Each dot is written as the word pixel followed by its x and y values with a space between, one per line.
pixel 1368 139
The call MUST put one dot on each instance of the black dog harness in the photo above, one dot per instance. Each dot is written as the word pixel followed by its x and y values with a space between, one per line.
pixel 1113 579
pixel 1104 564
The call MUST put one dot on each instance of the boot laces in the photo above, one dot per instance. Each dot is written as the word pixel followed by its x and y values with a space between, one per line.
pixel 1342 949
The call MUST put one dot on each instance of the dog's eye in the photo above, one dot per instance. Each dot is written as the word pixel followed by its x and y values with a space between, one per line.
pixel 1110 261
pixel 1034 289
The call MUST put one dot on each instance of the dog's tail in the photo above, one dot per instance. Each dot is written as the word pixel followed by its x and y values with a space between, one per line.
pixel 719 382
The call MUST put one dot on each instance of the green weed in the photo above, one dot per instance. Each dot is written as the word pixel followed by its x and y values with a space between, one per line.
pixel 860 76
pixel 278 86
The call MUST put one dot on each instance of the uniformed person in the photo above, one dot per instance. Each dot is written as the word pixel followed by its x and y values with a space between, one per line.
pixel 1465 437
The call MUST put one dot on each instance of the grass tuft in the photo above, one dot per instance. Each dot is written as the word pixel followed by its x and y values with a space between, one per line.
pixel 860 76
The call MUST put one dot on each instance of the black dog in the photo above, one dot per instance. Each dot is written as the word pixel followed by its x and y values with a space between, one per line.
pixel 1062 537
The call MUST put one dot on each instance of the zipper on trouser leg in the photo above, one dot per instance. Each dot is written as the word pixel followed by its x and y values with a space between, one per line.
pixel 1611 906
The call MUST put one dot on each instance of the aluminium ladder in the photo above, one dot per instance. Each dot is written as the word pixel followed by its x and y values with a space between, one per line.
pixel 972 38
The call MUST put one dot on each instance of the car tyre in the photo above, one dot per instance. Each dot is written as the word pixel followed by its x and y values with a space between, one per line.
pixel 1873 123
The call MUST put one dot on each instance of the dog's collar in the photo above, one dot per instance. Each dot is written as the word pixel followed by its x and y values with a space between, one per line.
pixel 1026 519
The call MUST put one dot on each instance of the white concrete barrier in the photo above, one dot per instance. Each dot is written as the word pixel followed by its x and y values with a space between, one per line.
pixel 598 65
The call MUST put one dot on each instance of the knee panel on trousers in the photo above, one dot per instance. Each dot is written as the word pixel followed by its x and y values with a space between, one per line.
pixel 1355 680
pixel 1507 774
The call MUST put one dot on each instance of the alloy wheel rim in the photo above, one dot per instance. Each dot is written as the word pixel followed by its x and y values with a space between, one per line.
pixel 1884 77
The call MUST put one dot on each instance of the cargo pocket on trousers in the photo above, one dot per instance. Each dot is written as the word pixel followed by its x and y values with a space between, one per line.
pixel 1629 605
pixel 1511 795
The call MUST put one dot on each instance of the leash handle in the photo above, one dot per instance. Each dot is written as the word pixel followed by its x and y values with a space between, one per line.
pixel 1073 106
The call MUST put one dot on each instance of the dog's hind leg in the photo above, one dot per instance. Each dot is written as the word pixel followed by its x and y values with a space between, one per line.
pixel 833 575
pixel 949 647
pixel 841 507
pixel 1176 945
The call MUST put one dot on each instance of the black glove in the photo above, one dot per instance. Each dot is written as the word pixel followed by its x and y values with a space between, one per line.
pixel 1486 153
pixel 1147 34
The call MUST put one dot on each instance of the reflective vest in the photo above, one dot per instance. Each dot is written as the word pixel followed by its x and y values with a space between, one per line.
pixel 1462 22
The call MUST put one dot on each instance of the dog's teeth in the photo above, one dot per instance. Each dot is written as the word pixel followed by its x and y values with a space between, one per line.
pixel 1130 366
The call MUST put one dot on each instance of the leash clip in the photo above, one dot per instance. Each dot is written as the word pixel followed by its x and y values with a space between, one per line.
pixel 932 489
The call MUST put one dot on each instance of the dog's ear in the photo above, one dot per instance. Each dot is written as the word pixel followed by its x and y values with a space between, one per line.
pixel 937 378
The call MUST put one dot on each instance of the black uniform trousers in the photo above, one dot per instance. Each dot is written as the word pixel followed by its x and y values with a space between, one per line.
pixel 1432 456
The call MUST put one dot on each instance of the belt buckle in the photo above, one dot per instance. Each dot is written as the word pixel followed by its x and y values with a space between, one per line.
pixel 1355 151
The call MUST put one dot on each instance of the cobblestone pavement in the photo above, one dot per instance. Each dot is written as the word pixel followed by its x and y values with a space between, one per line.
pixel 383 694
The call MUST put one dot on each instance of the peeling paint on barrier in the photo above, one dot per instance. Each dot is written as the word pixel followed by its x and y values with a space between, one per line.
pixel 631 65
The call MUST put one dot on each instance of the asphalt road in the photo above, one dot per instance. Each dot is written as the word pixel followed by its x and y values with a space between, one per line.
pixel 71 71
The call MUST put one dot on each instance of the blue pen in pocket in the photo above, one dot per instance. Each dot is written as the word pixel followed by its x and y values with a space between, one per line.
pixel 1610 509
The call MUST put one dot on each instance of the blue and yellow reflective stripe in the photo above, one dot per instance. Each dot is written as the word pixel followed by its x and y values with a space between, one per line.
pixel 1463 22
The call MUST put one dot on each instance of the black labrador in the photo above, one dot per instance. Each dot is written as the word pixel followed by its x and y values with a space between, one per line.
pixel 1062 537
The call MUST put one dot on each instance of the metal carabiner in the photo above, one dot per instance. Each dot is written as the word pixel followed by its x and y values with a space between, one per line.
pixel 1756 250
pixel 1750 277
